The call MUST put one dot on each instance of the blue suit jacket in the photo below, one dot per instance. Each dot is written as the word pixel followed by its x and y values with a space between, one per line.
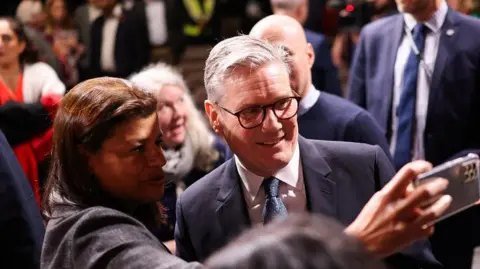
pixel 453 116
pixel 21 227
pixel 339 178
pixel 336 119
pixel 324 73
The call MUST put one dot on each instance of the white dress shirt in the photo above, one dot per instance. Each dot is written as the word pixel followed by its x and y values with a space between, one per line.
pixel 291 189
pixel 425 72
pixel 309 100
pixel 157 22
pixel 109 35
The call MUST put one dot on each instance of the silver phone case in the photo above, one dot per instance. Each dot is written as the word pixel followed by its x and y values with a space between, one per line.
pixel 463 175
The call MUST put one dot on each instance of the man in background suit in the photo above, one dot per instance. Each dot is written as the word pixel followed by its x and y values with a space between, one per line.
pixel 324 73
pixel 321 115
pixel 84 16
pixel 276 171
pixel 418 73
pixel 21 227
pixel 119 41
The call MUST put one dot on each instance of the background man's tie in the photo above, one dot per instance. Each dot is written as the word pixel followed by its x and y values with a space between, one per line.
pixel 406 107
pixel 274 206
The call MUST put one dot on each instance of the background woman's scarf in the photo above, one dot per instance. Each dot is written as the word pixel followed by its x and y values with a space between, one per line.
pixel 180 161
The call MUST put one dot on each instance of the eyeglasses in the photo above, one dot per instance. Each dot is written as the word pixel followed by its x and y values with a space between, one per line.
pixel 253 116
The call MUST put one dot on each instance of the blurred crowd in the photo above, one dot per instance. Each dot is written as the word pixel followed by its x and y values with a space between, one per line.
pixel 348 83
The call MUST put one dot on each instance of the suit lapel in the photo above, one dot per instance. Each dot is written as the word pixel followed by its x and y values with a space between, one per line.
pixel 449 31
pixel 231 209
pixel 321 191
pixel 396 32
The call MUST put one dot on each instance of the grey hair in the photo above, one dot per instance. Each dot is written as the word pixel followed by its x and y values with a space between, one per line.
pixel 286 4
pixel 237 52
pixel 156 76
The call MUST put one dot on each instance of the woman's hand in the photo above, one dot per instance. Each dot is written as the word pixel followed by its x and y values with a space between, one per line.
pixel 392 218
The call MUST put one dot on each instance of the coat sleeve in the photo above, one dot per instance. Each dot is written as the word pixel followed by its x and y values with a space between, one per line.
pixel 111 240
pixel 22 122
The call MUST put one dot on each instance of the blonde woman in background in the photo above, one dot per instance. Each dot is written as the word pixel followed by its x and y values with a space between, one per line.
pixel 191 148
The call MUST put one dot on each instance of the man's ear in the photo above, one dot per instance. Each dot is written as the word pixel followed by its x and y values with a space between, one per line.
pixel 310 55
pixel 213 116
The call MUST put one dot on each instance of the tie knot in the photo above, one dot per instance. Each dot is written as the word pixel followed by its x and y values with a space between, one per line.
pixel 419 29
pixel 270 185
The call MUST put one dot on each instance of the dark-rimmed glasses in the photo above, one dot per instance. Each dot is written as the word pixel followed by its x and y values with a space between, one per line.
pixel 253 116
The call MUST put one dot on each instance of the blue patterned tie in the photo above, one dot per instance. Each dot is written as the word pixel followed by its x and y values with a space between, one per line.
pixel 274 206
pixel 406 108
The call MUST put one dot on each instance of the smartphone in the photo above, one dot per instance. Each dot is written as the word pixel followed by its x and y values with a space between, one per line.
pixel 463 175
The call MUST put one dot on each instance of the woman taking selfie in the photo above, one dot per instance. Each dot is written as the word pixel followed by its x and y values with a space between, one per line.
pixel 105 181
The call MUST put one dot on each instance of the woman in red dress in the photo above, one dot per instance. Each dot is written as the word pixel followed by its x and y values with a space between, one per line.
pixel 26 81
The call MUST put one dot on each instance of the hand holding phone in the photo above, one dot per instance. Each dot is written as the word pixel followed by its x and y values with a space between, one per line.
pixel 463 175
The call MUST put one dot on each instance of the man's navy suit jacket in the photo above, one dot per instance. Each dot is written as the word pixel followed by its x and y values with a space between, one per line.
pixel 453 114
pixel 340 178
pixel 324 73
pixel 334 118
pixel 21 226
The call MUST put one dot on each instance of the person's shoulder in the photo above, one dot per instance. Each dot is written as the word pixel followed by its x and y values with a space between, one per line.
pixel 47 82
pixel 334 101
pixel 65 214
pixel 344 158
pixel 70 224
pixel 314 38
pixel 339 107
pixel 39 68
pixel 100 235
pixel 381 26
pixel 341 150
pixel 472 23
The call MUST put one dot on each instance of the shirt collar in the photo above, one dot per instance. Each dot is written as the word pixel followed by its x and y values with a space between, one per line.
pixel 309 100
pixel 288 174
pixel 434 23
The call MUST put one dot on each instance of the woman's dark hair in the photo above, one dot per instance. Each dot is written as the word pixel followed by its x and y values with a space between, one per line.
pixel 67 23
pixel 299 242
pixel 86 118
pixel 29 54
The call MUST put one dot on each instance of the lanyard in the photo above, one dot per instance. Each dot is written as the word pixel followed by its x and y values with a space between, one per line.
pixel 419 54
